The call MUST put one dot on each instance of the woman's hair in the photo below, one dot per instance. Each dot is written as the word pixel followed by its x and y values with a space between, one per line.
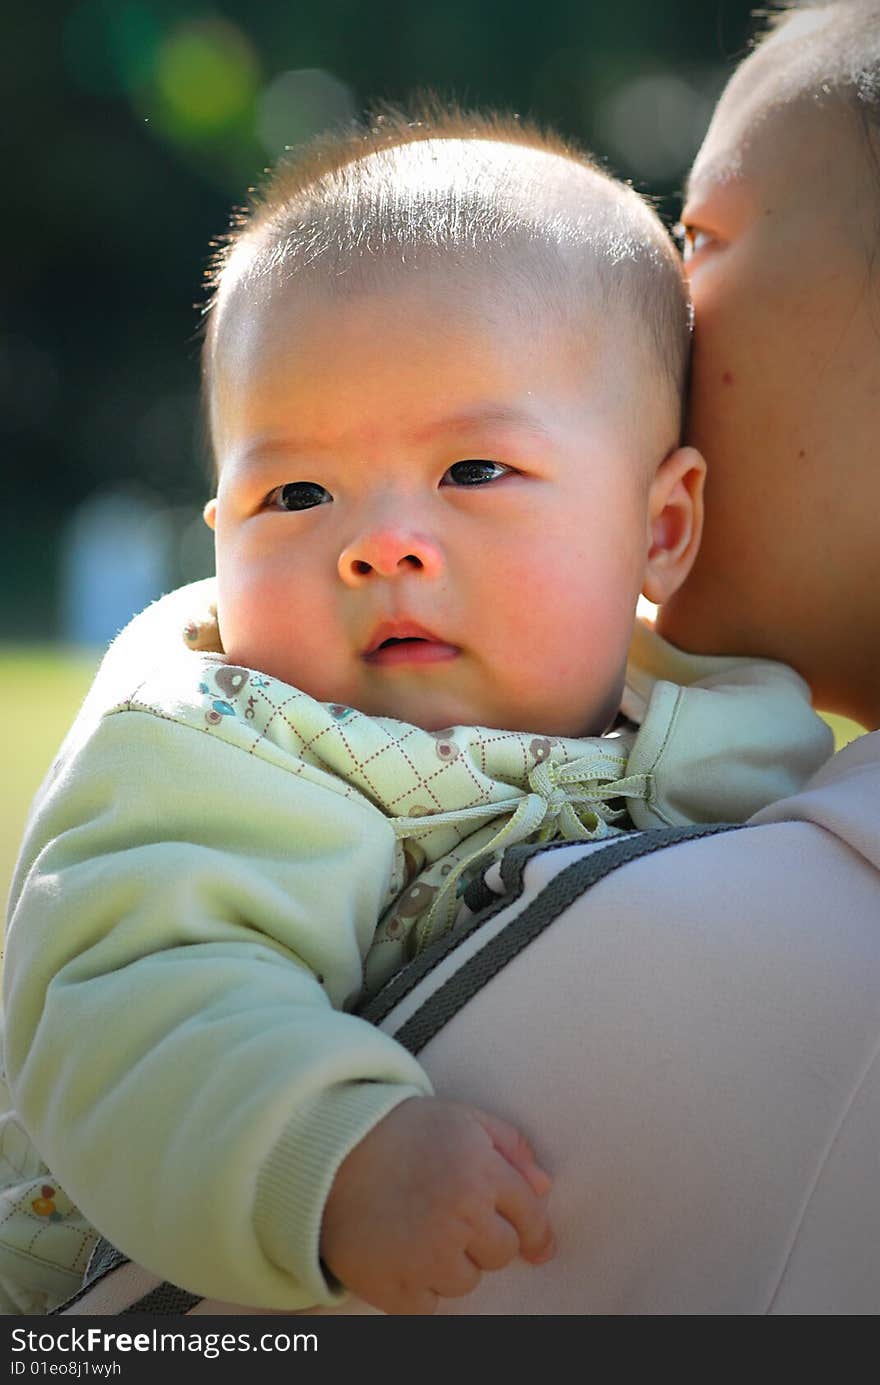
pixel 841 46
pixel 838 57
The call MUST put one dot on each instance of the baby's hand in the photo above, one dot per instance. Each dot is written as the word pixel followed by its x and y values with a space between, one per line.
pixel 435 1194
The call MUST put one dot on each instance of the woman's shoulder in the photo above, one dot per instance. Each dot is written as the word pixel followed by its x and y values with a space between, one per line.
pixel 842 798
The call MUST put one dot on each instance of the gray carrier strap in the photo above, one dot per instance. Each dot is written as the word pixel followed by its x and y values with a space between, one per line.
pixel 478 967
pixel 114 1285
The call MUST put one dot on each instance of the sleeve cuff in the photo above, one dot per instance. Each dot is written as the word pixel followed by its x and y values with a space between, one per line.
pixel 295 1180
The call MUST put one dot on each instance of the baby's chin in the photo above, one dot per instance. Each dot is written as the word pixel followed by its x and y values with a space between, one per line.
pixel 445 717
pixel 441 710
pixel 471 700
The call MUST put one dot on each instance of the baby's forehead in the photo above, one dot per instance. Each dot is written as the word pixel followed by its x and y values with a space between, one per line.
pixel 440 298
pixel 422 362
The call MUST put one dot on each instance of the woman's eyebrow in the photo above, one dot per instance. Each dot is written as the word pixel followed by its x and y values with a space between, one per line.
pixel 713 176
pixel 696 180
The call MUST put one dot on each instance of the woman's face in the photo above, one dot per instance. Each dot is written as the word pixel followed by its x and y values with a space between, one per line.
pixel 782 217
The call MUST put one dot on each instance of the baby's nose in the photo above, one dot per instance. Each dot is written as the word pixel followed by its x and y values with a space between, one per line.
pixel 389 551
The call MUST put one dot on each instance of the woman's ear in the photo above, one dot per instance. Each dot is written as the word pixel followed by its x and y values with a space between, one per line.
pixel 675 522
pixel 209 514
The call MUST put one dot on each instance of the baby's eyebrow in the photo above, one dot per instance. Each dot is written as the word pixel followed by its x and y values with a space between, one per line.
pixel 481 417
pixel 486 416
pixel 264 449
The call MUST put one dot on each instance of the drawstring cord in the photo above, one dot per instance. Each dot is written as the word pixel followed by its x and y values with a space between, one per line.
pixel 566 800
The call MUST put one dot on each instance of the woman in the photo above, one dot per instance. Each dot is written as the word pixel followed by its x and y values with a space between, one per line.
pixel 696 1040
pixel 691 1045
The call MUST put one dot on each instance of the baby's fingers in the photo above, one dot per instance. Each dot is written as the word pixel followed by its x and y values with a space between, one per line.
pixel 528 1217
pixel 516 1150
pixel 407 1302
pixel 496 1245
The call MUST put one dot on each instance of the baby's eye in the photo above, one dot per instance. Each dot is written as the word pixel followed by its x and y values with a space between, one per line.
pixel 473 473
pixel 692 239
pixel 297 495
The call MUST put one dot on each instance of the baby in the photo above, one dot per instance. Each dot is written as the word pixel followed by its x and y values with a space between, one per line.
pixel 444 372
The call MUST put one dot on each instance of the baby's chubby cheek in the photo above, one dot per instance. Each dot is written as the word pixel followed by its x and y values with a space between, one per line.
pixel 256 623
pixel 567 677
pixel 574 638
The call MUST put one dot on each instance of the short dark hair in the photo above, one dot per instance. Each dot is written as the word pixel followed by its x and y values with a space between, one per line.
pixel 846 48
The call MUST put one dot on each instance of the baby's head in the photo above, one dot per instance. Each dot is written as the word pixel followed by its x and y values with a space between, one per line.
pixel 444 372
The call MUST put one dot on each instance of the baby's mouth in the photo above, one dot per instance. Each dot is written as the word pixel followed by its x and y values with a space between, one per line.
pixel 394 644
pixel 407 639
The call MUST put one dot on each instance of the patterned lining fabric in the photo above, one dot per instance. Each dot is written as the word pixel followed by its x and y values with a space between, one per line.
pixel 455 798
pixel 48 1232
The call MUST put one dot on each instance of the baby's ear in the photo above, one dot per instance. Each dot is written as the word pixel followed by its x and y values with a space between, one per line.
pixel 209 514
pixel 675 522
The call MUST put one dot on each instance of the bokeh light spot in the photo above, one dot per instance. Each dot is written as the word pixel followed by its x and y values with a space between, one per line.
pixel 207 77
pixel 299 104
pixel 653 123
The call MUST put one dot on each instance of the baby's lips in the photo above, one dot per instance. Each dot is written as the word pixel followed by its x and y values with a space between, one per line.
pixel 398 630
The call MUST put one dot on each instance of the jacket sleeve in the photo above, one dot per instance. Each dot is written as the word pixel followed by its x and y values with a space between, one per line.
pixel 187 924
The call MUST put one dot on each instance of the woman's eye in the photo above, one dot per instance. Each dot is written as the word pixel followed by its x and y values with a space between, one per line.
pixel 692 240
pixel 473 473
pixel 298 495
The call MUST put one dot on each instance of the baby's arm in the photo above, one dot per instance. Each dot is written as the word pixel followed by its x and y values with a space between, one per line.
pixel 187 924
pixel 464 1194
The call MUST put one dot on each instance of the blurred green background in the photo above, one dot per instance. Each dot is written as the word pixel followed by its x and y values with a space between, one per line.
pixel 138 126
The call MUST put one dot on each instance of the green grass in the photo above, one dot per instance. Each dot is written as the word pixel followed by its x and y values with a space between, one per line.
pixel 41 688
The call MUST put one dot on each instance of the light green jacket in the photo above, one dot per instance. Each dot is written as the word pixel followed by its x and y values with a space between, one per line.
pixel 216 870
